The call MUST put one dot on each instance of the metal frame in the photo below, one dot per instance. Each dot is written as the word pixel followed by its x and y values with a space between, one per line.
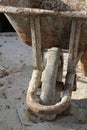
pixel 72 61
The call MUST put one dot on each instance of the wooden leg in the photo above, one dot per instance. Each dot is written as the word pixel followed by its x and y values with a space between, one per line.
pixel 73 54
pixel 36 53
pixel 73 58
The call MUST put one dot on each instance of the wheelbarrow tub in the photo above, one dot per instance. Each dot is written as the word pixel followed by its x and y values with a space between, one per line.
pixel 55 26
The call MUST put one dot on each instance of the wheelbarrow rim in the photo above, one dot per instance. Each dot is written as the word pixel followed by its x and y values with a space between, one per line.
pixel 81 14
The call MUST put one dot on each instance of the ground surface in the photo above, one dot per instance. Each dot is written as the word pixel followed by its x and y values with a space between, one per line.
pixel 15 73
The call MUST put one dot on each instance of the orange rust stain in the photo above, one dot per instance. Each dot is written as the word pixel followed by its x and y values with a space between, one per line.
pixel 25 37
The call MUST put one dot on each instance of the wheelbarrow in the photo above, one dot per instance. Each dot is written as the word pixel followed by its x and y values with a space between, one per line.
pixel 53 26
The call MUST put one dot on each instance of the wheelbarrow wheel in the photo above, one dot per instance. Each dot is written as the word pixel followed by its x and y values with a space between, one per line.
pixel 50 76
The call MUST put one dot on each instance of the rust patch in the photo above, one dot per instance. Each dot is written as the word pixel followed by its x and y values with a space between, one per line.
pixel 26 38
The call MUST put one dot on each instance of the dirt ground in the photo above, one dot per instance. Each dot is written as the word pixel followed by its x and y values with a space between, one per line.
pixel 15 73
